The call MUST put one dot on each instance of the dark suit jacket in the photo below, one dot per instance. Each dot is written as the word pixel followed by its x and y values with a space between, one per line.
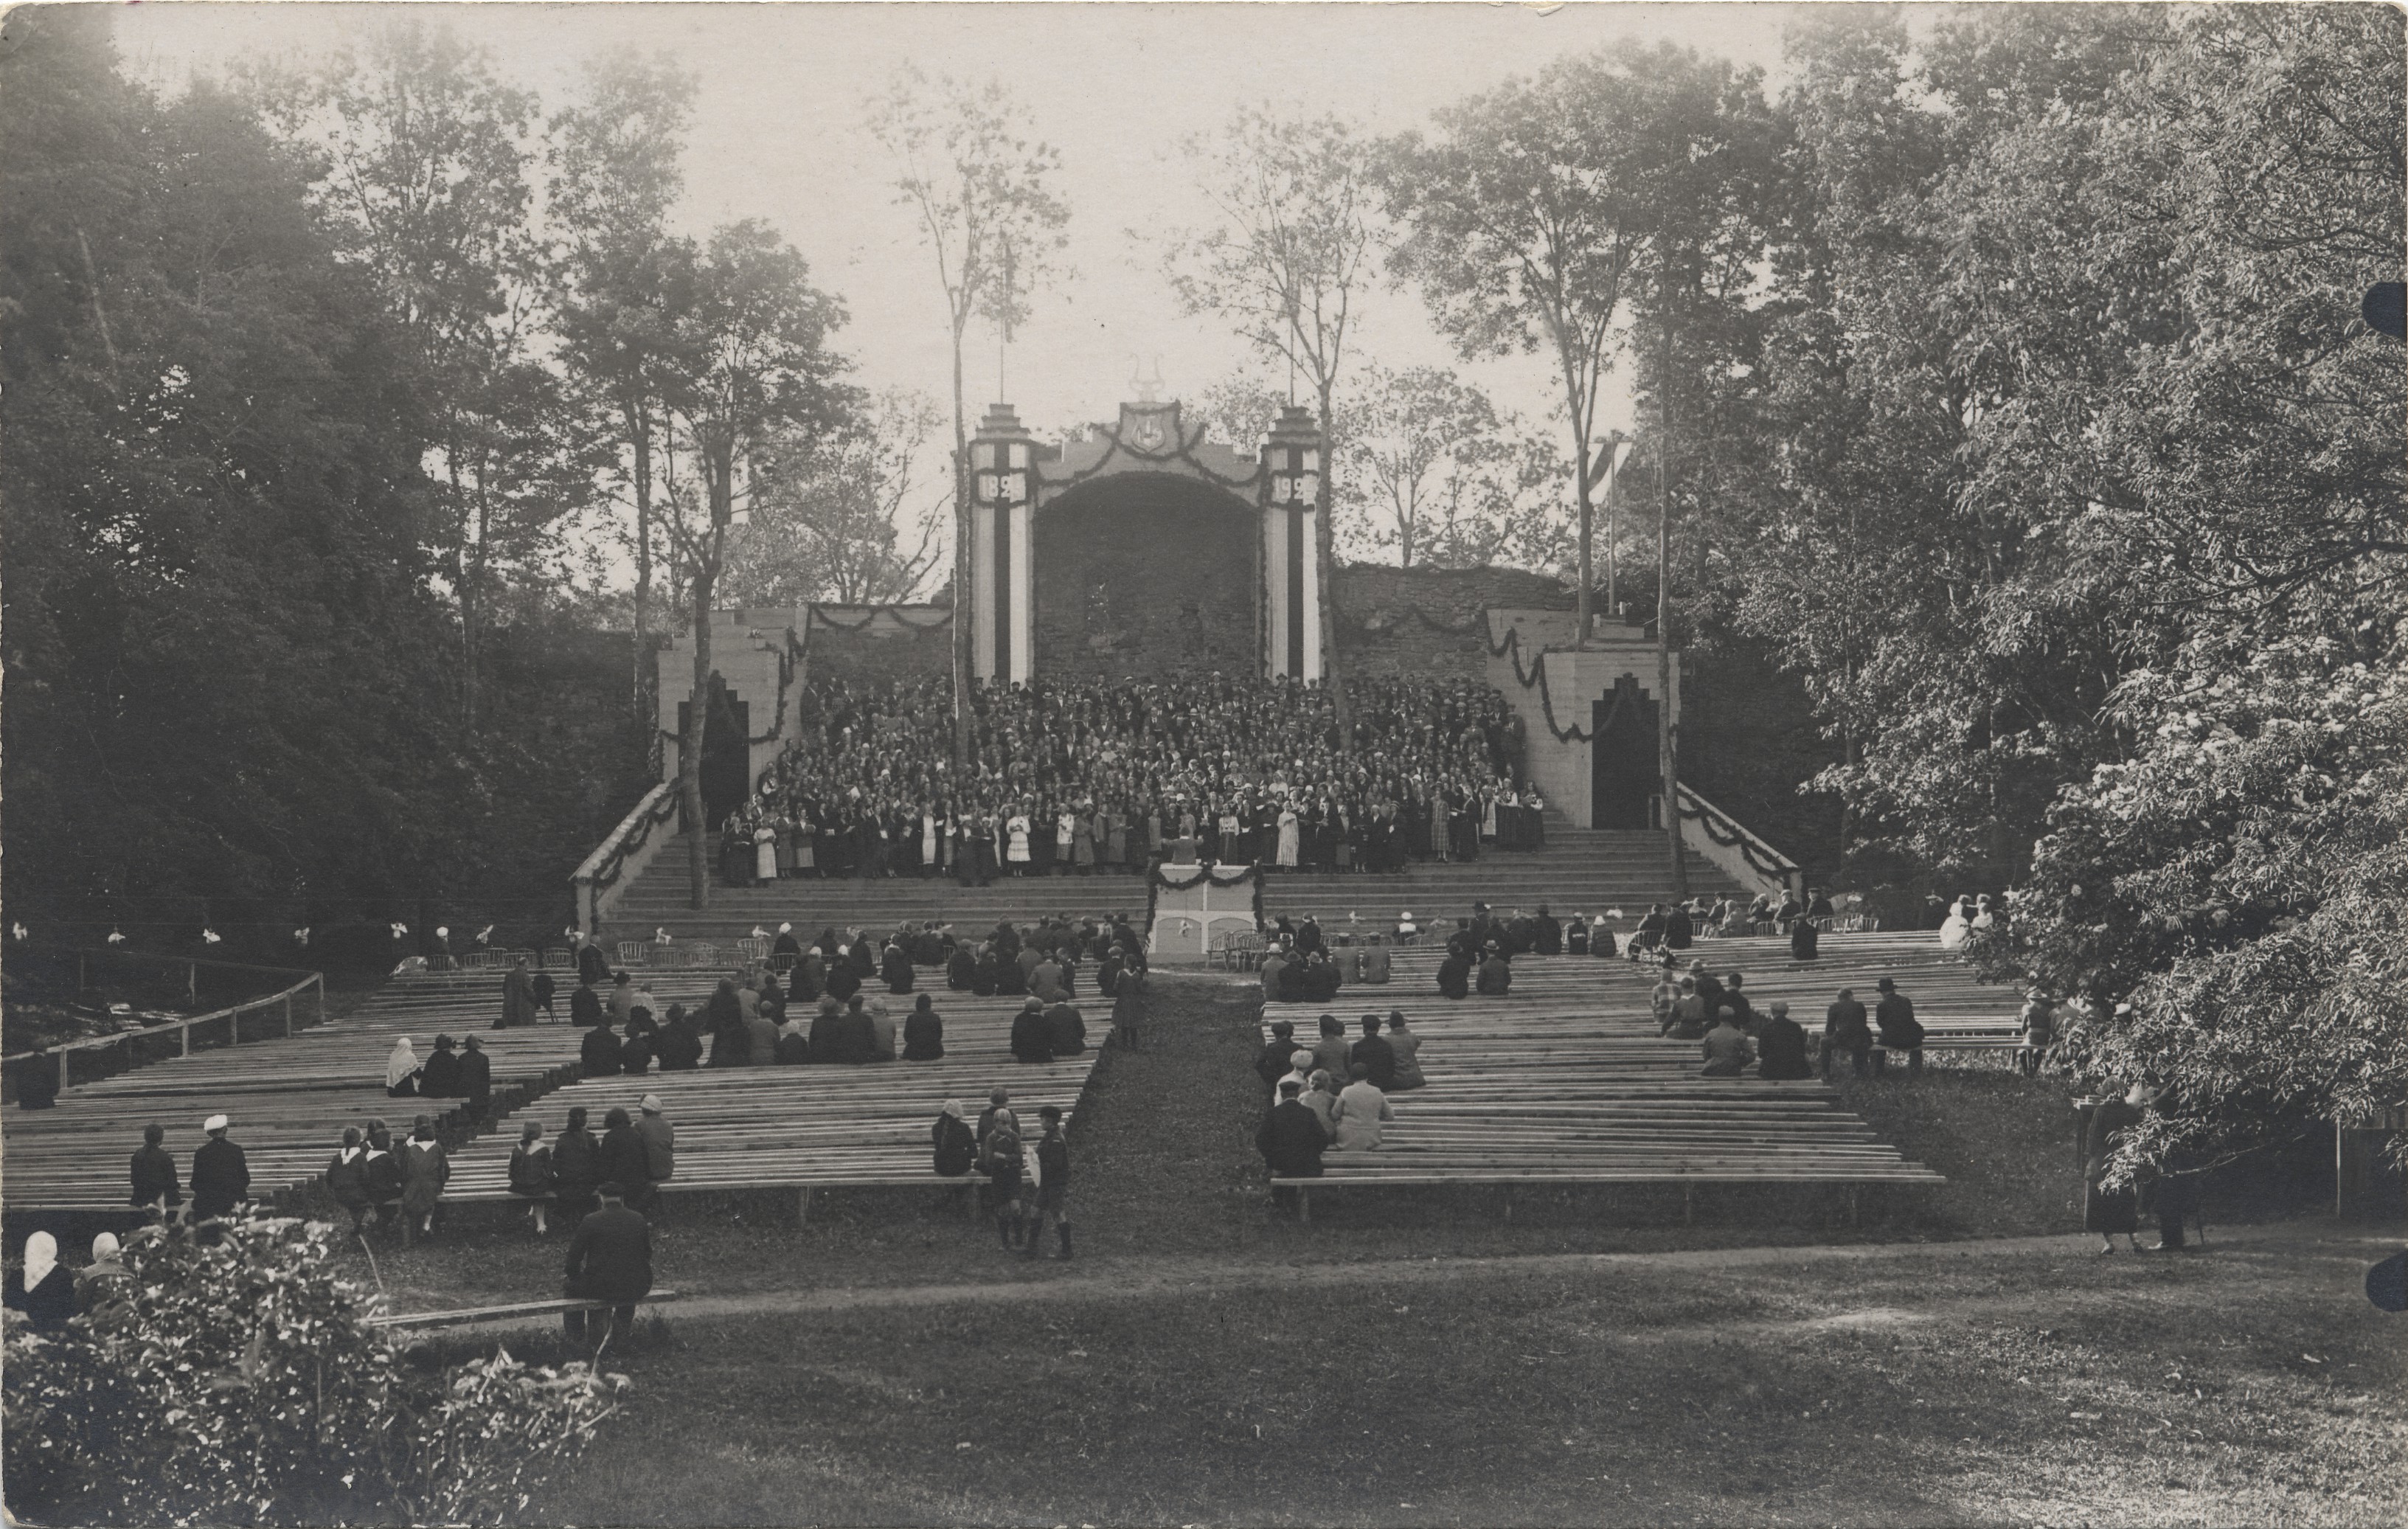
pixel 221 1176
pixel 610 1258
pixel 1781 1049
pixel 1291 1140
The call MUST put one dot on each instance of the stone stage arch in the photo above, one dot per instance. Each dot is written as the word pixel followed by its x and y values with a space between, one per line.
pixel 1105 554
pixel 1146 574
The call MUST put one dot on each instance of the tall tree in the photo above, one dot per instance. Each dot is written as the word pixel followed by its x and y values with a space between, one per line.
pixel 845 516
pixel 759 369
pixel 982 190
pixel 615 175
pixel 422 156
pixel 1284 266
pixel 1420 427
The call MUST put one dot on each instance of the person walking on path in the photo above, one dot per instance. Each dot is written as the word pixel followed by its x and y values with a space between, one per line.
pixel 610 1259
pixel 1052 1202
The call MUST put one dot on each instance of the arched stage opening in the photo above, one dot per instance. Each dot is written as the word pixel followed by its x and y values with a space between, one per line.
pixel 1146 573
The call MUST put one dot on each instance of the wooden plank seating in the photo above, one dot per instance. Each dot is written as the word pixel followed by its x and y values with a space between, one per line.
pixel 1564 1079
pixel 421 1321
pixel 812 1127
pixel 288 1099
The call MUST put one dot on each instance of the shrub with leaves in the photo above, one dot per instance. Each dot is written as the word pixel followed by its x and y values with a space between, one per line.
pixel 241 1384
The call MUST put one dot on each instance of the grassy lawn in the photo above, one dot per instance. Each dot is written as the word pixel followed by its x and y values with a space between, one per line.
pixel 2252 1385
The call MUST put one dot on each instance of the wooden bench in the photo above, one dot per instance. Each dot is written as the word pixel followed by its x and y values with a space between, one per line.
pixel 420 1321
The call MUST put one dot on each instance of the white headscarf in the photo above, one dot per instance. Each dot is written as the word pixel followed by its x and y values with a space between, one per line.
pixel 104 1247
pixel 41 1257
pixel 400 1063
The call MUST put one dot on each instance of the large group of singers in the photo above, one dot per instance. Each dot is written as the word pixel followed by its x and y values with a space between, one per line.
pixel 1090 776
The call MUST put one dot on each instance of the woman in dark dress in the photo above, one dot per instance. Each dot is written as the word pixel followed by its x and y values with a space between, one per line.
pixel 2108 1211
pixel 575 1167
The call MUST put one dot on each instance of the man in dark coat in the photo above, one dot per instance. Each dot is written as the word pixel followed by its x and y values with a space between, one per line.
pixel 476 1077
pixel 611 1259
pixel 597 1056
pixel 1548 938
pixel 441 1078
pixel 1781 1046
pixel 37 1081
pixel 1066 1028
pixel 593 967
pixel 843 982
pixel 680 1046
pixel 1271 1063
pixel 827 1043
pixel 1678 928
pixel 1455 975
pixel 1846 1032
pixel 624 1160
pixel 586 1005
pixel 857 1036
pixel 1901 1031
pixel 1374 1054
pixel 1032 1038
pixel 1291 1140
pixel 154 1173
pixel 221 1174
pixel 1308 935
pixel 1496 972
pixel 961 972
pixel 897 968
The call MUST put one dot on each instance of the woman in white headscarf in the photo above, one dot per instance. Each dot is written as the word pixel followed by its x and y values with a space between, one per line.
pixel 1955 927
pixel 44 1292
pixel 401 1070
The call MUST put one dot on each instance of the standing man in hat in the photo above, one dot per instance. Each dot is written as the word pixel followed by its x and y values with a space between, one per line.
pixel 610 1259
pixel 518 997
pixel 221 1174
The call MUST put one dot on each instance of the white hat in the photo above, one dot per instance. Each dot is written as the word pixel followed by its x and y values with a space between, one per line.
pixel 652 1104
pixel 216 1123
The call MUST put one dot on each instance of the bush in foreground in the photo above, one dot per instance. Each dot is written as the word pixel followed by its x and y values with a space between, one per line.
pixel 240 1383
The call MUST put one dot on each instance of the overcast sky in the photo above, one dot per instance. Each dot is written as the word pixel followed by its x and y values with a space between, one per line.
pixel 1116 88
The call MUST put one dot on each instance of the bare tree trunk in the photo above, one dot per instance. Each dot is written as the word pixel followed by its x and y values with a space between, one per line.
pixel 962 600
pixel 1666 754
pixel 1582 616
pixel 639 430
pixel 1333 671
pixel 719 472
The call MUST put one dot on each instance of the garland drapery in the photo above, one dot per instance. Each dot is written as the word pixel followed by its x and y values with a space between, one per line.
pixel 607 873
pixel 1158 877
pixel 1510 651
pixel 1711 819
pixel 820 616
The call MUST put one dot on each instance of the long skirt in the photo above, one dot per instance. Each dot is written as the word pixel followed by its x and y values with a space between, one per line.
pixel 764 857
pixel 2105 1210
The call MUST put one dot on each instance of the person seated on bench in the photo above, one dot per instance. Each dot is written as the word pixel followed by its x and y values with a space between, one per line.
pixel 531 1173
pixel 1407 1046
pixel 1901 1031
pixel 1679 928
pixel 1847 1033
pixel 1032 1039
pixel 1576 936
pixel 679 1045
pixel 924 1033
pixel 1066 1028
pixel 1045 977
pixel 1330 1047
pixel 1781 1046
pixel 1291 1140
pixel 622 996
pixel 597 1054
pixel 1661 1000
pixel 1649 935
pixel 584 1004
pixel 1455 973
pixel 1407 931
pixel 1300 1068
pixel 1548 938
pixel 1495 972
pixel 1372 965
pixel 401 1070
pixel 1708 988
pixel 760 1043
pixel 1320 980
pixel 439 1079
pixel 961 972
pixel 610 1259
pixel 1688 1020
pixel 896 968
pixel 1804 940
pixel 1321 1097
pixel 1376 1056
pixel 843 982
pixel 1361 1112
pixel 1271 1062
pixel 592 964
pixel 957 1148
pixel 1726 1047
pixel 1732 996
pixel 856 1034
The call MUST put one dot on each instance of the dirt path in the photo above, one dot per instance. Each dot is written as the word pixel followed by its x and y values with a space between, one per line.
pixel 1142 1278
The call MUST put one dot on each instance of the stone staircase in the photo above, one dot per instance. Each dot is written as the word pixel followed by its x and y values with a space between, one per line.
pixel 1580 870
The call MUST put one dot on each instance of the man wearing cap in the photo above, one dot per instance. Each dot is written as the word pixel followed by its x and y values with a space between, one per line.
pixel 1496 972
pixel 611 1259
pixel 220 1177
pixel 659 1139
pixel 1032 1039
pixel 1374 1054
pixel 1901 1031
